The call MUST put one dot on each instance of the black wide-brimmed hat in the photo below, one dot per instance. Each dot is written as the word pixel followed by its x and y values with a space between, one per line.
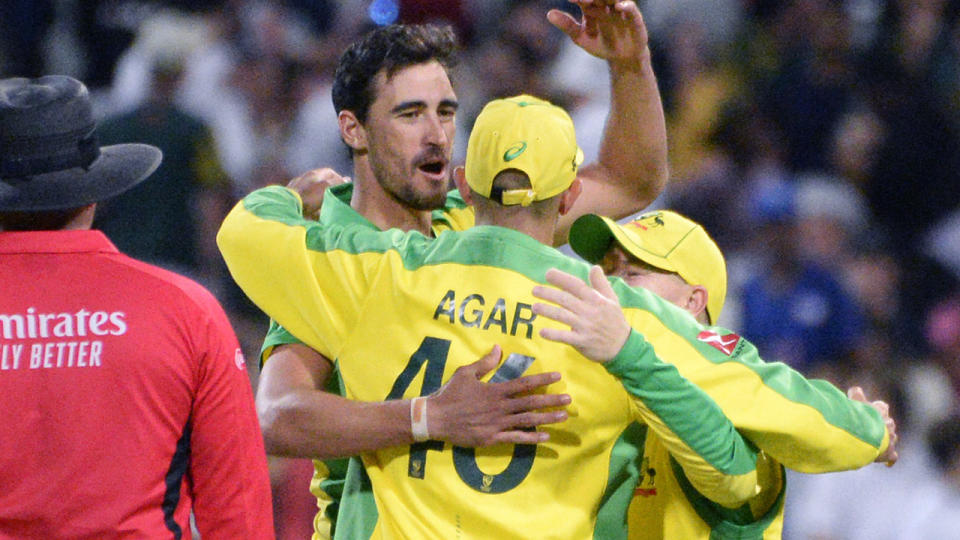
pixel 49 156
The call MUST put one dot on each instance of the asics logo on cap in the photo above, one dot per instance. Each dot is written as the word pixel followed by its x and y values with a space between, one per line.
pixel 514 151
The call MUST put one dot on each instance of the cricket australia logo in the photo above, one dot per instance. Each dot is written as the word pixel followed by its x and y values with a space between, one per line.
pixel 726 343
pixel 648 221
pixel 646 486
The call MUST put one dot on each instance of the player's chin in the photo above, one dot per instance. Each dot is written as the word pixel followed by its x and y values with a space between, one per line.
pixel 431 200
pixel 425 197
pixel 431 191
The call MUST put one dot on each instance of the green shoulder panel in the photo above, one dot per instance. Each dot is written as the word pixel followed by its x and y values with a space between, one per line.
pixel 275 203
pixel 481 245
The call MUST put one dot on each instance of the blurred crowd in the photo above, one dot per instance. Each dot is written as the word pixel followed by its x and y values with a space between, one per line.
pixel 818 141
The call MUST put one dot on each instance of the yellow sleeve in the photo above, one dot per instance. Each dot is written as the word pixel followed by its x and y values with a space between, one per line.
pixel 280 260
pixel 807 425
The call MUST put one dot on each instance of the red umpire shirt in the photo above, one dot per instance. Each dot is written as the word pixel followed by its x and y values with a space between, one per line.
pixel 125 400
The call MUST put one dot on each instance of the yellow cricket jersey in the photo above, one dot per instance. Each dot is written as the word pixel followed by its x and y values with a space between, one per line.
pixel 400 313
pixel 808 425
pixel 329 475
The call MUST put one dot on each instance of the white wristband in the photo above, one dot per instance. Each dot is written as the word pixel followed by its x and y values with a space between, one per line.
pixel 418 419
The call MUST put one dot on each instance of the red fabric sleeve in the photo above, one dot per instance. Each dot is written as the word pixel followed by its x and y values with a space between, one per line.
pixel 231 488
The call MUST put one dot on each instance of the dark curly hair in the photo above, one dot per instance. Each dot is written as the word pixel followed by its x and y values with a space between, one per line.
pixel 388 48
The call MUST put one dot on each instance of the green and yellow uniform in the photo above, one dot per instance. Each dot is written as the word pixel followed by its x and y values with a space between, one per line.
pixel 776 408
pixel 399 313
pixel 807 425
pixel 329 475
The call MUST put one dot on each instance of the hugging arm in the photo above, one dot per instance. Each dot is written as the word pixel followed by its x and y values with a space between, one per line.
pixel 806 424
pixel 717 460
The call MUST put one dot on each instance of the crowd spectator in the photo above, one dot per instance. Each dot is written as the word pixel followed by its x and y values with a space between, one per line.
pixel 166 220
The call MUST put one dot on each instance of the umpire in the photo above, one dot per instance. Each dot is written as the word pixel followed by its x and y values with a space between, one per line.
pixel 126 403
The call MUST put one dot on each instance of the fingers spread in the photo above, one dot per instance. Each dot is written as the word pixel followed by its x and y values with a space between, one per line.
pixel 520 437
pixel 558 314
pixel 534 419
pixel 537 402
pixel 600 282
pixel 489 361
pixel 561 336
pixel 856 393
pixel 882 407
pixel 563 280
pixel 557 296
pixel 629 9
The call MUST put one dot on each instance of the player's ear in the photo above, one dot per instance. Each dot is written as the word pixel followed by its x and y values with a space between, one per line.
pixel 460 178
pixel 697 303
pixel 352 131
pixel 568 197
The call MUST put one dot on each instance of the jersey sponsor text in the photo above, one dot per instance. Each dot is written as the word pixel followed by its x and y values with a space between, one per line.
pixel 55 354
pixel 67 353
pixel 33 325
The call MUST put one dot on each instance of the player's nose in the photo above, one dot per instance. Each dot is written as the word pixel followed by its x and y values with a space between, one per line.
pixel 436 131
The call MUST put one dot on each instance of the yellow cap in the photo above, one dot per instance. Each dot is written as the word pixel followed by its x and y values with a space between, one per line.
pixel 527 134
pixel 663 239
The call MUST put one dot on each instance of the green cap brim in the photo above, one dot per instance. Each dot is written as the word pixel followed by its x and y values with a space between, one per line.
pixel 590 237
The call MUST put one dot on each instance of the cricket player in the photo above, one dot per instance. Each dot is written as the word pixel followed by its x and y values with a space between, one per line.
pixel 399 313
pixel 807 425
pixel 396 109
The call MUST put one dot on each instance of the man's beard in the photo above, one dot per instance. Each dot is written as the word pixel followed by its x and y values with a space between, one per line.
pixel 407 196
pixel 404 191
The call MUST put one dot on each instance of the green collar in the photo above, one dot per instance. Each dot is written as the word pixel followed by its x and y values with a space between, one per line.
pixel 337 209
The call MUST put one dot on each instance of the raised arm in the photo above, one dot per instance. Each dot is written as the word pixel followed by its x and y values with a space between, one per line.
pixel 719 463
pixel 631 169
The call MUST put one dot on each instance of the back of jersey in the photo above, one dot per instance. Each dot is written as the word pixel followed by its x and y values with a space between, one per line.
pixel 128 402
pixel 425 317
pixel 400 313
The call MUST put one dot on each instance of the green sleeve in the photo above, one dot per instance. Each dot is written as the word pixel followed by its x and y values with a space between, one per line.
pixel 715 457
pixel 808 425
pixel 276 336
